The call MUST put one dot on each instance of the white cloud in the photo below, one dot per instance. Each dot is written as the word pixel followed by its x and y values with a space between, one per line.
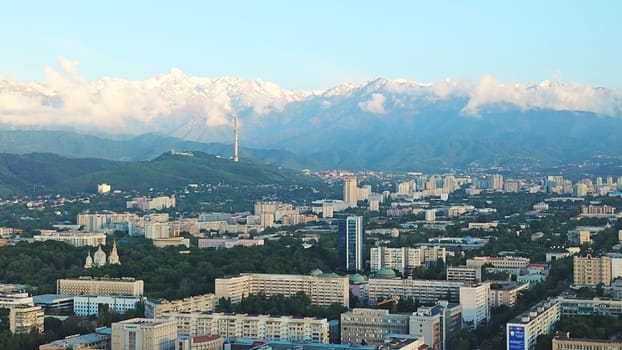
pixel 172 101
pixel 545 95
pixel 374 105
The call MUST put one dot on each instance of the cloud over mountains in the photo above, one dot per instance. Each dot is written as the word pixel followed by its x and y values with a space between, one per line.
pixel 177 104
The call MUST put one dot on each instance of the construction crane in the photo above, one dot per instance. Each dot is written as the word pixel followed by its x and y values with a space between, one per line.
pixel 395 299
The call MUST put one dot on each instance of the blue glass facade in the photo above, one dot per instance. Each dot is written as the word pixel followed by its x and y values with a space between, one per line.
pixel 351 244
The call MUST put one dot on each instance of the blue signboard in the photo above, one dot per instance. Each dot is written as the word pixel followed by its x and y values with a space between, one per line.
pixel 516 338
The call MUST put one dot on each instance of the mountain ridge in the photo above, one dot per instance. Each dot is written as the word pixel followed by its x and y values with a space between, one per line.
pixel 392 124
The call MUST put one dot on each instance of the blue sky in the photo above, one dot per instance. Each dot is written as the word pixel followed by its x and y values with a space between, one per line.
pixel 317 44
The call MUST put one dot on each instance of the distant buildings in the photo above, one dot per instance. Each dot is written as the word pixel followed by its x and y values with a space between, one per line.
pixel 156 203
pixel 76 239
pixel 350 190
pixel 103 188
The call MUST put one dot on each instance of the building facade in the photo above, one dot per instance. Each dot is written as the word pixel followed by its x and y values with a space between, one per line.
pixel 591 271
pixel 144 334
pixel 198 303
pixel 438 324
pixel 350 243
pixel 522 332
pixel 322 289
pixel 405 258
pixel 286 328
pixel 371 326
pixel 425 291
pixel 25 319
pixel 474 299
pixel 87 305
pixel 350 190
pixel 100 286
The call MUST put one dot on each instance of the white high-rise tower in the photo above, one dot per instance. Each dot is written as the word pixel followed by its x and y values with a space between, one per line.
pixel 235 138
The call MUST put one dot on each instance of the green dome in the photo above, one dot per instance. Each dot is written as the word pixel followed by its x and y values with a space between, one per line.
pixel 356 278
pixel 385 272
pixel 316 272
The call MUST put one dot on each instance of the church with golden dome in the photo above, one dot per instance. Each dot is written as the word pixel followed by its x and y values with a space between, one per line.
pixel 99 258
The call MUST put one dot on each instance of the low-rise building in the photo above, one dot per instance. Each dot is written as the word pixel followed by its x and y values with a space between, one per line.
pixel 87 305
pixel 100 339
pixel 200 342
pixel 144 334
pixel 563 341
pixel 505 293
pixel 464 274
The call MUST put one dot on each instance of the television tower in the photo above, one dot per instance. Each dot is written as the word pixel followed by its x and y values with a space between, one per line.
pixel 235 138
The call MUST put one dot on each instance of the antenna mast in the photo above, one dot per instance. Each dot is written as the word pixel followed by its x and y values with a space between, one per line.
pixel 235 138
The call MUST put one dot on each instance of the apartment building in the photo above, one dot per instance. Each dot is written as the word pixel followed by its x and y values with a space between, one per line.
pixel 198 303
pixel 591 271
pixel 523 331
pixel 24 319
pixel 76 239
pixel 87 305
pixel 371 325
pixel 321 289
pixel 505 293
pixel 464 274
pixel 405 258
pixel 425 291
pixel 474 299
pixel 438 324
pixel 100 286
pixel 286 328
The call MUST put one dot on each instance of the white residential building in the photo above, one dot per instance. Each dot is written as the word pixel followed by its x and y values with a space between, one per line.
pixel 321 289
pixel 522 331
pixel 76 239
pixel 87 305
pixel 474 299
pixel 405 258
pixel 285 328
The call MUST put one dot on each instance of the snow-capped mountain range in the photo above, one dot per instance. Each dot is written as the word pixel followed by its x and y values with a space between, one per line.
pixel 374 119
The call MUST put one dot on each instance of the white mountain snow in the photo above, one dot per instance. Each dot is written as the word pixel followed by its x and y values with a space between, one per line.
pixel 202 108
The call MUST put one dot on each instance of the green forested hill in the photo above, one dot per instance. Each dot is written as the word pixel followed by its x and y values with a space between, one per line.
pixel 48 173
